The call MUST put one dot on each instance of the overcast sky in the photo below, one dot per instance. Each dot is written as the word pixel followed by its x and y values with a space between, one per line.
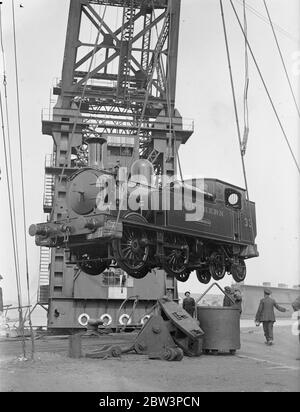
pixel 203 94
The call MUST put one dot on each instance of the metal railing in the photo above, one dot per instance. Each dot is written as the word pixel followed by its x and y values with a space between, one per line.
pixel 110 120
pixel 50 160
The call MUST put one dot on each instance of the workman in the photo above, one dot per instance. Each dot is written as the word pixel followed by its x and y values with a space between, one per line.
pixel 229 294
pixel 266 315
pixel 189 304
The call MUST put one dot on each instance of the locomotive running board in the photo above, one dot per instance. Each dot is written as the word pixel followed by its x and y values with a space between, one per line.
pixel 110 230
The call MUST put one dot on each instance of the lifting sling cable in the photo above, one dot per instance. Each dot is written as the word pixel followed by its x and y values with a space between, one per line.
pixel 265 20
pixel 237 118
pixel 246 88
pixel 11 191
pixel 82 96
pixel 157 52
pixel 164 78
pixel 8 135
pixel 147 94
pixel 22 173
pixel 122 191
pixel 10 181
pixel 167 84
pixel 266 89
pixel 234 96
pixel 168 98
pixel 176 151
pixel 13 231
pixel 282 59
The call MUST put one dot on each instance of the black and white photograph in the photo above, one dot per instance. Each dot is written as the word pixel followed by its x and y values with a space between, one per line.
pixel 149 199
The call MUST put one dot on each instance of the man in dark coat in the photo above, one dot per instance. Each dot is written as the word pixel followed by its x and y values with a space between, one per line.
pixel 265 314
pixel 189 304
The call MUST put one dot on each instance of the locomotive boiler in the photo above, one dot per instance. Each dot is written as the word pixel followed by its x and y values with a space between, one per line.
pixel 139 221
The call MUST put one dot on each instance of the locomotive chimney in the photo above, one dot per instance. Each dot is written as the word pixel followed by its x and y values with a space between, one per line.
pixel 95 145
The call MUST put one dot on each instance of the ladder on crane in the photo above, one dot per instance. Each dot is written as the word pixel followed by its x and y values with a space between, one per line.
pixel 125 53
pixel 43 285
pixel 48 193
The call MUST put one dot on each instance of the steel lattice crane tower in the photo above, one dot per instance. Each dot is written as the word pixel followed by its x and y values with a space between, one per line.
pixel 118 81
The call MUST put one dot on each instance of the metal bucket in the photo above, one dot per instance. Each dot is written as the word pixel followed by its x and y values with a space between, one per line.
pixel 221 326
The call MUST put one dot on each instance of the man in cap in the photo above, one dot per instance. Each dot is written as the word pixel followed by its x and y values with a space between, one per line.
pixel 265 314
pixel 229 294
pixel 238 299
pixel 189 304
pixel 233 298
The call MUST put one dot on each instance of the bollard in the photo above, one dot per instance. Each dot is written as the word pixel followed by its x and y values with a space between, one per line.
pixel 75 346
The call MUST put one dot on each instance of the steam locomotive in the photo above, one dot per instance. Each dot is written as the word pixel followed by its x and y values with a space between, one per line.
pixel 141 222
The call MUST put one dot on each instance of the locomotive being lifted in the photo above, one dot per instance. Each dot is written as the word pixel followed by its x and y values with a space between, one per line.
pixel 139 221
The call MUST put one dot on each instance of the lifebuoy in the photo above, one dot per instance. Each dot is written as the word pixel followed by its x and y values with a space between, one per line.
pixel 145 319
pixel 106 316
pixel 123 317
pixel 83 319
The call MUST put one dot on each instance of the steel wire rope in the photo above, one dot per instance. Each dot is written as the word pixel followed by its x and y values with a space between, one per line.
pixel 9 138
pixel 246 87
pixel 123 186
pixel 82 96
pixel 236 116
pixel 266 88
pixel 282 58
pixel 265 20
pixel 22 172
pixel 11 182
pixel 11 189
pixel 150 81
pixel 166 77
pixel 12 224
pixel 168 98
pixel 169 104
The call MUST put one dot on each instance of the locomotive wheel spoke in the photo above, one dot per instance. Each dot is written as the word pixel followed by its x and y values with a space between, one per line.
pixel 203 276
pixel 238 270
pixel 132 251
pixel 91 265
pixel 177 257
pixel 217 267
pixel 183 277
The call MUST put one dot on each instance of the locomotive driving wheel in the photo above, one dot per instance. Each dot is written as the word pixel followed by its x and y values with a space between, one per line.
pixel 176 257
pixel 141 273
pixel 238 270
pixel 217 267
pixel 203 276
pixel 132 251
pixel 183 277
pixel 91 265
